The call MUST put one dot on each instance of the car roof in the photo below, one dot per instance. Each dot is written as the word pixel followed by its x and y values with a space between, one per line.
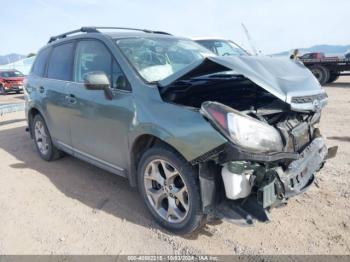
pixel 116 35
pixel 112 35
pixel 113 32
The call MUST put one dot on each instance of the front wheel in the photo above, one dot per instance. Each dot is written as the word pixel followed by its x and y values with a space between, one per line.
pixel 169 186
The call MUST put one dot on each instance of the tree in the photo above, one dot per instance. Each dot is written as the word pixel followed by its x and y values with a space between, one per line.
pixel 31 54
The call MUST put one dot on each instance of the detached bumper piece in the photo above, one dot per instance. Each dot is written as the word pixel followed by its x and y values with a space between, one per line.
pixel 300 173
pixel 266 196
pixel 242 213
pixel 274 186
pixel 298 176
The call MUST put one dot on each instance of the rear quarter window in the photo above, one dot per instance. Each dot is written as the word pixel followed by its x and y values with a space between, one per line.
pixel 39 65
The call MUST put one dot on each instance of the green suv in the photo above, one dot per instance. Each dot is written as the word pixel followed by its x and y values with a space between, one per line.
pixel 202 137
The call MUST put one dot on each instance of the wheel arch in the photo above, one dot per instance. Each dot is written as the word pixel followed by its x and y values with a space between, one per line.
pixel 32 112
pixel 138 147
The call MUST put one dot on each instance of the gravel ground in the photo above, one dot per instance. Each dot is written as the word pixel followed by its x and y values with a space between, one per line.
pixel 71 207
pixel 11 99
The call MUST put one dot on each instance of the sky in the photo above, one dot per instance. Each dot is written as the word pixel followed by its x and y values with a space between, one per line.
pixel 274 25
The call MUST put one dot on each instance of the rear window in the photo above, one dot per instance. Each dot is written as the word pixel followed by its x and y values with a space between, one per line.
pixel 38 68
pixel 61 62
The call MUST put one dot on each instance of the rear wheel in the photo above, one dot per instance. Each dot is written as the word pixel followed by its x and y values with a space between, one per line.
pixel 169 187
pixel 333 77
pixel 42 139
pixel 321 73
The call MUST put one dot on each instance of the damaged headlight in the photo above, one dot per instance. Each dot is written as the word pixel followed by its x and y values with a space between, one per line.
pixel 246 132
pixel 253 134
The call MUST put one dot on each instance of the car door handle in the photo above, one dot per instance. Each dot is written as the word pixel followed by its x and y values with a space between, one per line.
pixel 41 89
pixel 71 99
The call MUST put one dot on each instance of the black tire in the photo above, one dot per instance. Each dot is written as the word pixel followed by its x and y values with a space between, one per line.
pixel 2 91
pixel 321 73
pixel 17 92
pixel 333 77
pixel 52 152
pixel 194 218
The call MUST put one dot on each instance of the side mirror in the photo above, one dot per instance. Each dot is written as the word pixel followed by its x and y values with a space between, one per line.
pixel 98 81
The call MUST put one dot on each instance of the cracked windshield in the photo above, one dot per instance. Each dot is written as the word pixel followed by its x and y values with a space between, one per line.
pixel 157 58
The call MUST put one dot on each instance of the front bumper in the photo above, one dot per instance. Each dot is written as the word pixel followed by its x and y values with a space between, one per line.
pixel 13 87
pixel 299 175
pixel 294 180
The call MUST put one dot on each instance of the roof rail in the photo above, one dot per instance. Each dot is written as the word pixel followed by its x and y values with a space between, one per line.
pixel 81 30
pixel 94 29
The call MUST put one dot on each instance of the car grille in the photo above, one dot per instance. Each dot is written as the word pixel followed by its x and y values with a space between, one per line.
pixel 308 99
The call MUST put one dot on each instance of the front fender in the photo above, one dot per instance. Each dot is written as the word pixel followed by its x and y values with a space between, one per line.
pixel 184 128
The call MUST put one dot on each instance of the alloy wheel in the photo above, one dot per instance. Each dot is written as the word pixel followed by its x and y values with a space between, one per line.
pixel 166 191
pixel 41 137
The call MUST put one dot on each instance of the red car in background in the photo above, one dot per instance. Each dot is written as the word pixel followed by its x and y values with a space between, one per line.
pixel 315 55
pixel 11 80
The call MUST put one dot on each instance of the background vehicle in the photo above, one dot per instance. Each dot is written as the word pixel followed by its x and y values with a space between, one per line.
pixel 11 81
pixel 221 47
pixel 140 105
pixel 316 55
pixel 326 69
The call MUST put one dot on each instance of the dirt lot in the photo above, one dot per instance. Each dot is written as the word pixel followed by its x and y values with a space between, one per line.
pixel 11 99
pixel 70 207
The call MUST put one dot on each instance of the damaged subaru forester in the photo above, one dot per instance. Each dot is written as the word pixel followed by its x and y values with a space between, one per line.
pixel 202 137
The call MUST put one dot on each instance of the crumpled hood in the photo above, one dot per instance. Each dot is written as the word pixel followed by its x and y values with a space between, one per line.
pixel 282 77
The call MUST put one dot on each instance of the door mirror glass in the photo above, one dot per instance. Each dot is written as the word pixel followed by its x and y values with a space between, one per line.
pixel 98 81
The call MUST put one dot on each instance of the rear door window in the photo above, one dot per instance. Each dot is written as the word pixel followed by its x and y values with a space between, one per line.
pixel 61 62
pixel 40 63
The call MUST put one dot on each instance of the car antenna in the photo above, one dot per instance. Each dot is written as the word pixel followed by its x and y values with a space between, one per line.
pixel 250 41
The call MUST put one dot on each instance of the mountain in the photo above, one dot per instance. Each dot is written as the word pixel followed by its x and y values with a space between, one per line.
pixel 10 58
pixel 327 49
